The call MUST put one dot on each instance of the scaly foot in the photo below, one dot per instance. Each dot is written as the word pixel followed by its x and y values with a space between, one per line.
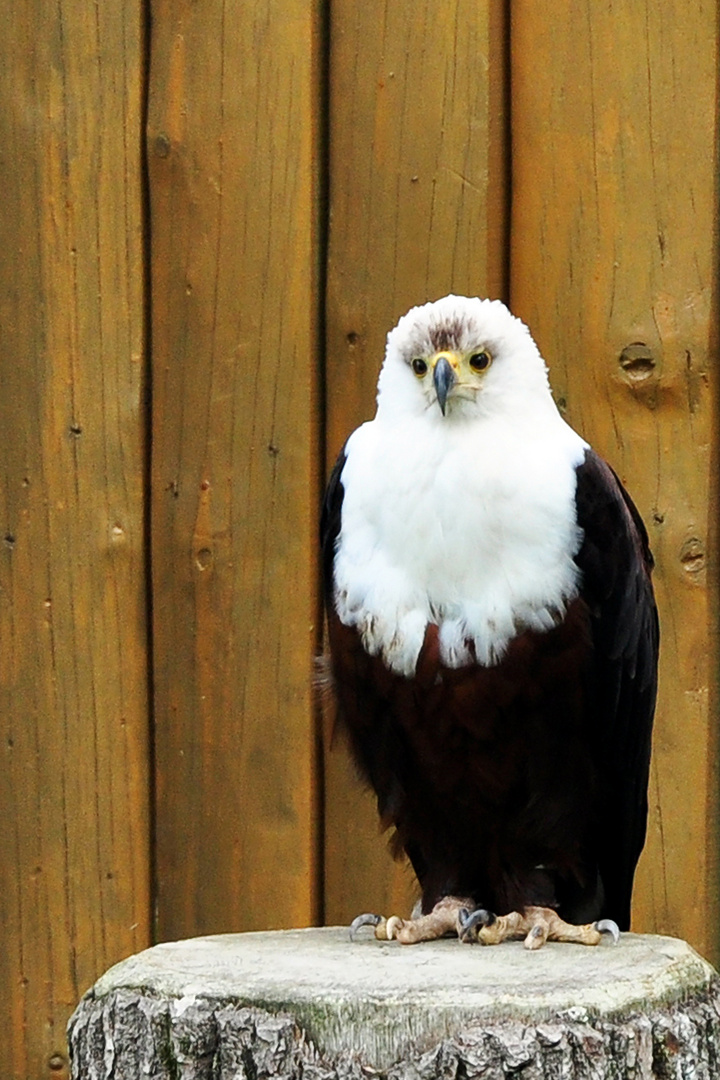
pixel 441 921
pixel 536 925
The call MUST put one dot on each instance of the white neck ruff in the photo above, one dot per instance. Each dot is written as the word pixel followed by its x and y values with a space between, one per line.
pixel 463 522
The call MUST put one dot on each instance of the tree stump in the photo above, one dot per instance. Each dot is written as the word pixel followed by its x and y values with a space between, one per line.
pixel 310 1004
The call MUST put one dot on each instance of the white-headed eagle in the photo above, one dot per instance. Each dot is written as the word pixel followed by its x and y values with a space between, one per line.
pixel 493 637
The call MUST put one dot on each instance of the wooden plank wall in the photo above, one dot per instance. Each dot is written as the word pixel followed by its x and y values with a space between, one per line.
pixel 166 300
pixel 74 815
pixel 233 133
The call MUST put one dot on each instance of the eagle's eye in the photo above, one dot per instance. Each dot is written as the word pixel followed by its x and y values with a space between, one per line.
pixel 479 361
pixel 419 367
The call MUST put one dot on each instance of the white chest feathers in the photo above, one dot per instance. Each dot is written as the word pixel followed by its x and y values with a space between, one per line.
pixel 469 526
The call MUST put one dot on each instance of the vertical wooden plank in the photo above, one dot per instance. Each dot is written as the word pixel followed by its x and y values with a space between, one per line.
pixel 614 243
pixel 418 208
pixel 233 196
pixel 74 870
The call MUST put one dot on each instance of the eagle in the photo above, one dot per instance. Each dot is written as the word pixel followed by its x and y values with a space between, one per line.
pixel 493 638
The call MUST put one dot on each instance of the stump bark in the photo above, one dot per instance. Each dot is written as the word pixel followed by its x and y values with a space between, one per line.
pixel 310 1004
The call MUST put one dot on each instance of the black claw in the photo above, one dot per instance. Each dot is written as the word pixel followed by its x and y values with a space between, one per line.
pixel 471 922
pixel 607 926
pixel 363 920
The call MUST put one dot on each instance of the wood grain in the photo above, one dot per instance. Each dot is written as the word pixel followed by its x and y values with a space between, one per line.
pixel 233 128
pixel 614 243
pixel 418 208
pixel 74 840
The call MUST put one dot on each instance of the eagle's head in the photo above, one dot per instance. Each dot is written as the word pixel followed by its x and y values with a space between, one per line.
pixel 461 356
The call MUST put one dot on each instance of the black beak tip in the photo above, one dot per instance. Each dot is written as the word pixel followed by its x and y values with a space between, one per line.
pixel 444 379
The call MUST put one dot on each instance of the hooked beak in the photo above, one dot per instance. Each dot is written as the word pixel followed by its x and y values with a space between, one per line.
pixel 444 378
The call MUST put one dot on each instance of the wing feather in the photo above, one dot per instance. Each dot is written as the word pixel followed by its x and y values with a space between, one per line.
pixel 616 564
pixel 330 525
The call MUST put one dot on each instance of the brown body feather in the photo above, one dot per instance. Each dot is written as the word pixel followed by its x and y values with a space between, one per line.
pixel 487 797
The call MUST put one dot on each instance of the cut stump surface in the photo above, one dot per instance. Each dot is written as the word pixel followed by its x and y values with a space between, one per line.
pixel 309 1003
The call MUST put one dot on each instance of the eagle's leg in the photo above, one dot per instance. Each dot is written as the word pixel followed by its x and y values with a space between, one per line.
pixel 535 925
pixel 441 921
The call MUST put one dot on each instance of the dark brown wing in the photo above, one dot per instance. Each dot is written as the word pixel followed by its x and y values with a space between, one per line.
pixel 330 526
pixel 616 564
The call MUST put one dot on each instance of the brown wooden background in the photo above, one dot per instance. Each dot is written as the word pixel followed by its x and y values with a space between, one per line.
pixel 212 212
